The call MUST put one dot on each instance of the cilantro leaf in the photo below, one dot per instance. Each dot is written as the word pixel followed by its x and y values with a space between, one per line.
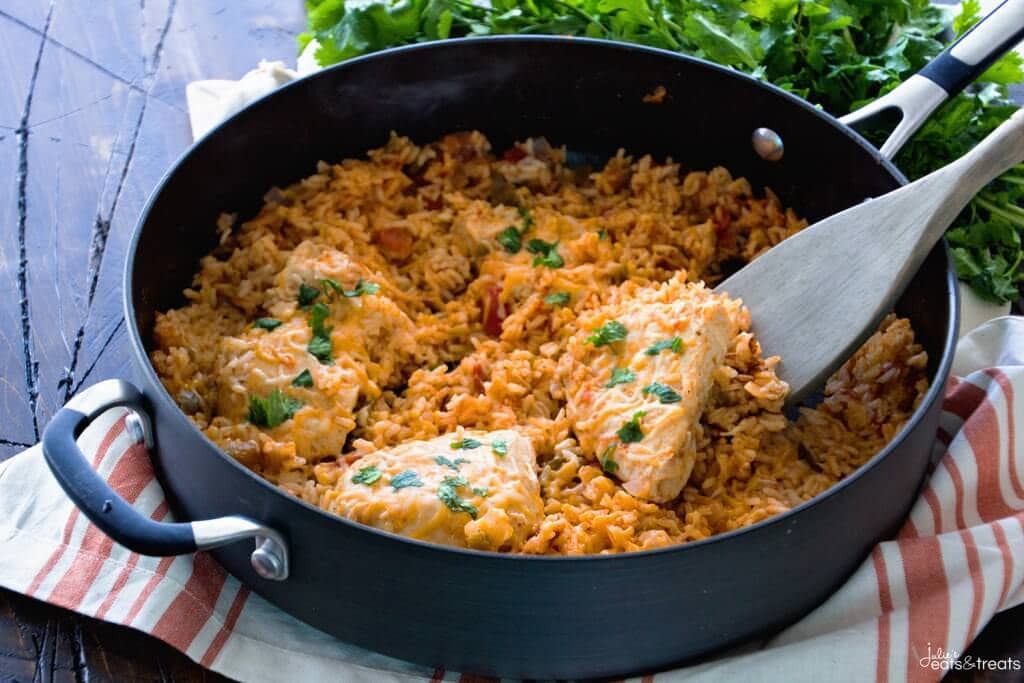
pixel 557 299
pixel 303 379
pixel 267 324
pixel 307 295
pixel 271 411
pixel 675 344
pixel 320 346
pixel 510 240
pixel 499 447
pixel 620 376
pixel 607 464
pixel 368 475
pixel 466 444
pixel 452 464
pixel 362 287
pixel 630 432
pixel 406 479
pixel 609 333
pixel 547 253
pixel 448 493
pixel 663 392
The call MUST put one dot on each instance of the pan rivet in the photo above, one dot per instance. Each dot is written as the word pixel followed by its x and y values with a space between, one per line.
pixel 768 144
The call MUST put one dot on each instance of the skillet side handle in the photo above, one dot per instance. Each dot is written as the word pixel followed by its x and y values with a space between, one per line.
pixel 950 72
pixel 117 518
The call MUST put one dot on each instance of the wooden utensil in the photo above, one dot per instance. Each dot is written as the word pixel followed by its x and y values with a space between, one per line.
pixel 818 295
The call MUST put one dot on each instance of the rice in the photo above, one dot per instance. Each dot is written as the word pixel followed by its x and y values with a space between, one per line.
pixel 460 334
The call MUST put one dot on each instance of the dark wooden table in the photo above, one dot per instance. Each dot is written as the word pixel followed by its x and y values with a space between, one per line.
pixel 92 113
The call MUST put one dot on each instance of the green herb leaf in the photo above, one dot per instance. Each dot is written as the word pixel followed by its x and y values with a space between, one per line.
pixel 452 464
pixel 267 323
pixel 404 480
pixel 368 475
pixel 307 295
pixel 609 333
pixel 547 253
pixel 675 344
pixel 630 432
pixel 607 464
pixel 303 379
pixel 499 447
pixel 510 240
pixel 663 392
pixel 557 299
pixel 602 235
pixel 620 376
pixel 527 217
pixel 466 444
pixel 320 343
pixel 480 491
pixel 448 493
pixel 362 287
pixel 271 411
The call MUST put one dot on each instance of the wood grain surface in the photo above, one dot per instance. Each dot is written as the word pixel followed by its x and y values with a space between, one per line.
pixel 92 113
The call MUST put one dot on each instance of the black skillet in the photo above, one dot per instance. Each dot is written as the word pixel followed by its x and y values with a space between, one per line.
pixel 516 616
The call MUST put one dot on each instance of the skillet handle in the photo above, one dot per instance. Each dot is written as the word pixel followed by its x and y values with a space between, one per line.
pixel 118 519
pixel 946 75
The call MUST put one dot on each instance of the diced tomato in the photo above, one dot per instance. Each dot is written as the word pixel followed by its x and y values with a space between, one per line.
pixel 514 155
pixel 478 378
pixel 494 311
pixel 395 242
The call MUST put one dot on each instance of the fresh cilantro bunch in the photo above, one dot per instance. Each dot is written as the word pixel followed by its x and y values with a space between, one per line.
pixel 836 53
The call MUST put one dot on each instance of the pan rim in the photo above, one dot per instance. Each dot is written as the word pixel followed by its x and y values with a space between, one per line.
pixel 145 366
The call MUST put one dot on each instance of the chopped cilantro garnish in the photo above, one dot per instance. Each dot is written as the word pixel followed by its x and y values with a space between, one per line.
pixel 367 475
pixel 609 333
pixel 510 239
pixel 448 494
pixel 453 464
pixel 320 343
pixel 630 432
pixel 557 299
pixel 480 491
pixel 539 246
pixel 267 323
pixel 404 480
pixel 664 393
pixel 527 217
pixel 602 234
pixel 547 253
pixel 675 343
pixel 466 444
pixel 307 294
pixel 607 464
pixel 330 283
pixel 499 447
pixel 362 287
pixel 303 379
pixel 620 376
pixel 271 411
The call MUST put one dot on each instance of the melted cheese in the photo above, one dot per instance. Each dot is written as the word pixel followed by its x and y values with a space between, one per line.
pixel 504 518
pixel 659 464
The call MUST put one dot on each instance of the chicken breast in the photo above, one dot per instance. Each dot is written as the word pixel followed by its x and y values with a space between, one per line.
pixel 637 379
pixel 471 489
pixel 370 340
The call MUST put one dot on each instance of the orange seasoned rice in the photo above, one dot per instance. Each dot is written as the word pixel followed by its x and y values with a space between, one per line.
pixel 460 337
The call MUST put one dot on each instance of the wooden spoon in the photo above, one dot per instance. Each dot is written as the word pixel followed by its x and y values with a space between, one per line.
pixel 818 295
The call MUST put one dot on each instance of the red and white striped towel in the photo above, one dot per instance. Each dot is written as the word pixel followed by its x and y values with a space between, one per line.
pixel 906 613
